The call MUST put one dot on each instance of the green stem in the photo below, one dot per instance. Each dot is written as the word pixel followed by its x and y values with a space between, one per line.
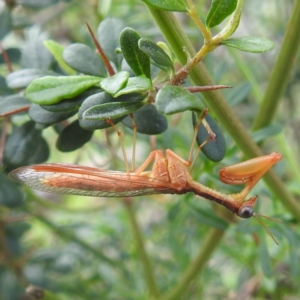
pixel 216 102
pixel 281 70
pixel 148 270
pixel 210 243
pixel 232 24
pixel 283 145
pixel 194 16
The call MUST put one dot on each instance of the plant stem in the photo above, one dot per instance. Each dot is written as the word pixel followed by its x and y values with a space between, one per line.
pixel 210 243
pixel 284 146
pixel 232 24
pixel 281 70
pixel 194 16
pixel 148 270
pixel 216 102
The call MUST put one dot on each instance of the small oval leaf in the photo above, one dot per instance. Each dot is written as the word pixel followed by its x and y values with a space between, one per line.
pixel 250 44
pixel 25 146
pixel 156 53
pixel 14 55
pixel 34 53
pixel 213 150
pixel 13 104
pixel 169 5
pixel 91 101
pixel 22 78
pixel 114 83
pixel 42 116
pixel 174 99
pixel 219 10
pixel 57 51
pixel 111 110
pixel 73 103
pixel 4 89
pixel 10 195
pixel 147 120
pixel 138 61
pixel 84 60
pixel 51 90
pixel 73 137
pixel 110 42
pixel 138 84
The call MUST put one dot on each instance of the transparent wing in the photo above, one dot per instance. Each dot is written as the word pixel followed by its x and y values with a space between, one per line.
pixel 86 181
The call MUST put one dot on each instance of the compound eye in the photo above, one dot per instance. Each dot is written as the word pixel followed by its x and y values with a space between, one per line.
pixel 245 212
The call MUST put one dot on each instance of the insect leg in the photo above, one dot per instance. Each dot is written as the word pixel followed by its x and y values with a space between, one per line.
pixel 109 121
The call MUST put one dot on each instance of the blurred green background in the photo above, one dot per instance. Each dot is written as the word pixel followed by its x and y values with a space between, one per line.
pixel 89 248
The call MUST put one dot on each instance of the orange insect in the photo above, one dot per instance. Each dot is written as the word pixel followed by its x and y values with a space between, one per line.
pixel 169 175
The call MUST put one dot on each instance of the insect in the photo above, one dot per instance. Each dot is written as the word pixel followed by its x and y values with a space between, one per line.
pixel 169 175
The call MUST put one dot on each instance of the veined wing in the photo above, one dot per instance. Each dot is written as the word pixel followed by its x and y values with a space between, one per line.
pixel 87 181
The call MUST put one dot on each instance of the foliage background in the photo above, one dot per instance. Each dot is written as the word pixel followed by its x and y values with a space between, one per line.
pixel 83 248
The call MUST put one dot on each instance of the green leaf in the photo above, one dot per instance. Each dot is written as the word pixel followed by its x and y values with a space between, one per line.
pixel 156 53
pixel 5 22
pixel 219 10
pixel 13 104
pixel 92 101
pixel 167 50
pixel 22 78
pixel 135 85
pixel 114 83
pixel 84 60
pixel 42 116
pixel 4 89
pixel 111 110
pixel 110 42
pixel 147 120
pixel 14 55
pixel 25 146
pixel 266 132
pixel 10 195
pixel 264 257
pixel 34 53
pixel 169 5
pixel 132 97
pixel 174 99
pixel 73 137
pixel 73 103
pixel 57 51
pixel 213 150
pixel 138 61
pixel 51 90
pixel 238 94
pixel 250 44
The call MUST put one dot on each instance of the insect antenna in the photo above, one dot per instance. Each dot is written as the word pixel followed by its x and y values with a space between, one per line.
pixel 256 216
